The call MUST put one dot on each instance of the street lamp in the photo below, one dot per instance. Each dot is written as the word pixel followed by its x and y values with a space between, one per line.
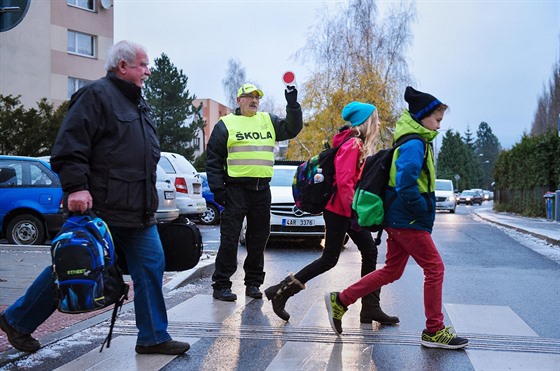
pixel 485 174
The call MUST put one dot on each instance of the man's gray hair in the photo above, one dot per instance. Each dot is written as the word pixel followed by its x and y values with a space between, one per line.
pixel 122 51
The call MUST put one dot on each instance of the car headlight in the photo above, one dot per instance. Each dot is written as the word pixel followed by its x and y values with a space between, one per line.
pixel 451 198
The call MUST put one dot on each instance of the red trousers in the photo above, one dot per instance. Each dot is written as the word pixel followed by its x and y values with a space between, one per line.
pixel 402 243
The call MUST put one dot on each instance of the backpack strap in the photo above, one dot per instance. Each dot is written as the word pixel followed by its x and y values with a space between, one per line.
pixel 116 310
pixel 401 141
pixel 336 150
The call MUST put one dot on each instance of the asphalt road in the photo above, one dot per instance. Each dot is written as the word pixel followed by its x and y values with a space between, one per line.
pixel 500 294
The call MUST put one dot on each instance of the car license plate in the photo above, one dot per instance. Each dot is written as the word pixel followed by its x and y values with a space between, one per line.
pixel 197 188
pixel 298 222
pixel 169 195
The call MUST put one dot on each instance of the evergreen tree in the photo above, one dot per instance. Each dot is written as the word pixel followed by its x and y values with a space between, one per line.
pixel 456 158
pixel 487 148
pixel 177 120
pixel 28 132
pixel 469 138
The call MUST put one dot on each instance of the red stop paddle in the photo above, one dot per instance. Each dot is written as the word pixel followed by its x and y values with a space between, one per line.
pixel 289 79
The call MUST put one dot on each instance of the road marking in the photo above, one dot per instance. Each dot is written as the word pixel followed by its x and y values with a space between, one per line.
pixel 337 356
pixel 486 360
pixel 487 319
pixel 498 339
pixel 531 351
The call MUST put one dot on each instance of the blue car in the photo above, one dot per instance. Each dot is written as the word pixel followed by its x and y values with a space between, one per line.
pixel 30 200
pixel 213 209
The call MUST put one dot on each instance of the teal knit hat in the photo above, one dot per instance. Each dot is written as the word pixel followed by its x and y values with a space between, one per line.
pixel 357 112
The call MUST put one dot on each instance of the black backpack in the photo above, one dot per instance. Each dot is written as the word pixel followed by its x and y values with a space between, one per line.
pixel 309 194
pixel 369 203
pixel 85 269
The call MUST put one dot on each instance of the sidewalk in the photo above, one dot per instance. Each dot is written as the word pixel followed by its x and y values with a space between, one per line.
pixel 547 230
pixel 60 326
pixel 28 263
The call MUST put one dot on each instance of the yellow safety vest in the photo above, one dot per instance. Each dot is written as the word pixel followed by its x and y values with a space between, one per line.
pixel 250 145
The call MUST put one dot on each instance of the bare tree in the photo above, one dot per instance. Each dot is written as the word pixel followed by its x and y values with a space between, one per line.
pixel 234 78
pixel 548 105
pixel 355 57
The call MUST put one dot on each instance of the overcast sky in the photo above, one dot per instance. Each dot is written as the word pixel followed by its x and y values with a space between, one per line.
pixel 488 60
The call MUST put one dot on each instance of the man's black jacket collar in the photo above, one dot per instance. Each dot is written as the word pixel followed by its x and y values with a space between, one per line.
pixel 132 92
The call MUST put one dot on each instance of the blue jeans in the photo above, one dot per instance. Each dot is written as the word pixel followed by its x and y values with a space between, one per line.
pixel 146 262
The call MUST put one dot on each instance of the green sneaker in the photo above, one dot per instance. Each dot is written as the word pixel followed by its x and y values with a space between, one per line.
pixel 336 311
pixel 444 338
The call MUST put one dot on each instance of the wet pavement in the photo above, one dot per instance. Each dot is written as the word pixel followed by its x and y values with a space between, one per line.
pixel 20 265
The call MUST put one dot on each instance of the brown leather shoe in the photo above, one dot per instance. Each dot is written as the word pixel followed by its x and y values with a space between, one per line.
pixel 19 340
pixel 171 347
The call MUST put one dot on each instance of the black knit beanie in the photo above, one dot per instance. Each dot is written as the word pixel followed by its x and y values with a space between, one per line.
pixel 420 104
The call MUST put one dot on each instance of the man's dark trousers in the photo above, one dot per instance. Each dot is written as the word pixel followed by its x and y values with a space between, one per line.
pixel 240 203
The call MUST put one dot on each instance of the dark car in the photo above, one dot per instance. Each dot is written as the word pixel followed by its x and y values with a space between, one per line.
pixel 213 209
pixel 30 200
pixel 470 198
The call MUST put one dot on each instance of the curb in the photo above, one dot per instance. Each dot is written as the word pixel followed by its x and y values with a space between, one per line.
pixel 204 266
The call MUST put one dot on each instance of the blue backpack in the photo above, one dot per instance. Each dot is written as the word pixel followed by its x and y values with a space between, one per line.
pixel 85 269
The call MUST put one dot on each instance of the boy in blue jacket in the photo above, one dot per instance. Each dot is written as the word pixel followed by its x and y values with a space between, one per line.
pixel 409 220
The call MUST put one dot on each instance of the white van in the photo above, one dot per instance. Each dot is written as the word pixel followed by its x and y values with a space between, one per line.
pixel 445 196
pixel 187 183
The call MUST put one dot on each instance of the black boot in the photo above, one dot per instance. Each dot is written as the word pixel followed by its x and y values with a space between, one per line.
pixel 279 295
pixel 371 310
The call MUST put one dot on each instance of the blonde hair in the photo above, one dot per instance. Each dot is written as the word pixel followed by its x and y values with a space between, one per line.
pixel 368 132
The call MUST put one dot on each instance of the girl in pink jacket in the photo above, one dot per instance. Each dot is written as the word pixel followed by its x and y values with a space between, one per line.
pixel 362 130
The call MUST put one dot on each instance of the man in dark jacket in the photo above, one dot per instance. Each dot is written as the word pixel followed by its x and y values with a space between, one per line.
pixel 106 154
pixel 239 166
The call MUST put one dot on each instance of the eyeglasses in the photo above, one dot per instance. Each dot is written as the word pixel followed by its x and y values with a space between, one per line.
pixel 250 96
pixel 142 65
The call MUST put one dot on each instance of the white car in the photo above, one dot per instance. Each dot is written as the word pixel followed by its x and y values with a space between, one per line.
pixel 445 195
pixel 187 182
pixel 167 208
pixel 286 220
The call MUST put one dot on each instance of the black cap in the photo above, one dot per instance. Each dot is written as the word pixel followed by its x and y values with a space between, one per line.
pixel 420 104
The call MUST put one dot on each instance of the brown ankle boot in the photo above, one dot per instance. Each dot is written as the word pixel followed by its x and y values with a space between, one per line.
pixel 371 311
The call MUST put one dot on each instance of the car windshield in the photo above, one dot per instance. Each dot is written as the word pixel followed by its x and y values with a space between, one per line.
pixel 444 185
pixel 467 193
pixel 184 166
pixel 283 177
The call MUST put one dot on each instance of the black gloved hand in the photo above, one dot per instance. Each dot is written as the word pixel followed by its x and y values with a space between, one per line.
pixel 220 197
pixel 291 96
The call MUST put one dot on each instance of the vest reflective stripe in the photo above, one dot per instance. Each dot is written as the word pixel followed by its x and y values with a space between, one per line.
pixel 251 148
pixel 251 162
pixel 250 145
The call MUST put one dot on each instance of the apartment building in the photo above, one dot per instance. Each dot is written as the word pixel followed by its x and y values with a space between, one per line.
pixel 211 113
pixel 59 46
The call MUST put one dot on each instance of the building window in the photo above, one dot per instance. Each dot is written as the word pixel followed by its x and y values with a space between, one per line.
pixel 196 142
pixel 74 84
pixel 84 4
pixel 81 43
